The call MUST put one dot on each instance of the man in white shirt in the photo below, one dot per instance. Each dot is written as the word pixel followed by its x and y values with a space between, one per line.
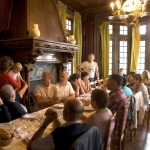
pixel 45 94
pixel 64 87
pixel 91 67
pixel 63 136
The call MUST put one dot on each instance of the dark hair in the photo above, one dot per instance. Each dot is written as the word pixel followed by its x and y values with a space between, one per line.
pixel 6 63
pixel 132 73
pixel 124 81
pixel 84 74
pixel 138 77
pixel 75 76
pixel 117 78
pixel 100 97
pixel 121 69
pixel 91 54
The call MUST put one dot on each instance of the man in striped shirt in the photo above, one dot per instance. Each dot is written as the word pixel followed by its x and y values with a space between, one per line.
pixel 117 100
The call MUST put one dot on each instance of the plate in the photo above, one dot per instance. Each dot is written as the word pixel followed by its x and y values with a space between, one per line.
pixel 30 116
pixel 59 106
pixel 88 108
pixel 30 135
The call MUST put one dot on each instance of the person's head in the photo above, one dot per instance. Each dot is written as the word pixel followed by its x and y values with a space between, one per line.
pixel 91 57
pixel 63 77
pixel 7 92
pixel 46 78
pixel 124 81
pixel 114 82
pixel 84 76
pixel 73 110
pixel 76 77
pixel 146 74
pixel 137 78
pixel 6 63
pixel 130 77
pixel 17 67
pixel 99 98
pixel 121 71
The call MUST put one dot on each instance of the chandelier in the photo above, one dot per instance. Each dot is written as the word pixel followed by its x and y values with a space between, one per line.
pixel 129 12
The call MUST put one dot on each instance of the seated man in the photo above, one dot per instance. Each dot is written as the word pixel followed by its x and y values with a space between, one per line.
pixel 62 137
pixel 45 94
pixel 11 107
pixel 65 89
pixel 126 90
pixel 76 84
pixel 121 73
pixel 117 100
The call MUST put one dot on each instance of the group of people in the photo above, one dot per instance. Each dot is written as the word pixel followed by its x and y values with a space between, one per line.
pixel 48 94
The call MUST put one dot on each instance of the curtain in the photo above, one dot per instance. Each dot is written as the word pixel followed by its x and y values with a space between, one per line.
pixel 135 47
pixel 78 38
pixel 105 38
pixel 62 13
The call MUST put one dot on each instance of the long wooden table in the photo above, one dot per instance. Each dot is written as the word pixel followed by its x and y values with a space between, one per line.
pixel 19 143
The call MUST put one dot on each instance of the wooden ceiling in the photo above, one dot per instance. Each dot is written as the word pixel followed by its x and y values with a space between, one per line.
pixel 92 5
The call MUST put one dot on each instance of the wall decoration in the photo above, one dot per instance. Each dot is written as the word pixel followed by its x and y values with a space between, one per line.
pixel 38 70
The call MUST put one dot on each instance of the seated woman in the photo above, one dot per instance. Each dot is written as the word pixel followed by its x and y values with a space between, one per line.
pixel 139 86
pixel 85 83
pixel 146 77
pixel 12 100
pixel 6 63
pixel 76 84
pixel 126 90
pixel 99 101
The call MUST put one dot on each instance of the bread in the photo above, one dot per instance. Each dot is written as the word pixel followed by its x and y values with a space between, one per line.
pixel 4 134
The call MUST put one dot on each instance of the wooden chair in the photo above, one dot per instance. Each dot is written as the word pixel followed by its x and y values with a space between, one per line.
pixel 146 116
pixel 31 103
pixel 110 128
pixel 130 121
pixel 118 142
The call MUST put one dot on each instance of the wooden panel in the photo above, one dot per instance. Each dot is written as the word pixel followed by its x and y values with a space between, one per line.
pixel 88 40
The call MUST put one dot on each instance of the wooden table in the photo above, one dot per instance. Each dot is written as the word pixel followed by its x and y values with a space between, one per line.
pixel 21 144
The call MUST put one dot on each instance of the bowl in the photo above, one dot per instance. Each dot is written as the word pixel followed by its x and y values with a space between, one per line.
pixel 5 142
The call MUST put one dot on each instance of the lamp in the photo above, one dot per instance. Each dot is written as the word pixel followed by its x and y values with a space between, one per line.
pixel 130 11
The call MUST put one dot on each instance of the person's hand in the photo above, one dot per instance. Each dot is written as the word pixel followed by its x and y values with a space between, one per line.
pixel 18 78
pixel 50 114
pixel 1 102
pixel 75 84
pixel 25 84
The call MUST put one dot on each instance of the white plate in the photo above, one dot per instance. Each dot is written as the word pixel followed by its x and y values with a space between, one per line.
pixel 59 106
pixel 88 108
pixel 30 135
pixel 30 116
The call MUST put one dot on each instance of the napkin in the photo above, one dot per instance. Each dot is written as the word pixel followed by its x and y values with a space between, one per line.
pixel 30 116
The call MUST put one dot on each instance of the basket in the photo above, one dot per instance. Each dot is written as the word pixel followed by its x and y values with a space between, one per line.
pixel 5 142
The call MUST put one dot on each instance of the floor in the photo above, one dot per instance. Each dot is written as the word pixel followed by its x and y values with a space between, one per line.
pixel 141 141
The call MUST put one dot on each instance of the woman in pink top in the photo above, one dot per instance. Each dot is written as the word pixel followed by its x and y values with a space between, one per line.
pixel 6 63
pixel 99 101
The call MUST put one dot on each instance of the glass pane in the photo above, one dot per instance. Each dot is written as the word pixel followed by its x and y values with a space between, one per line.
pixel 143 29
pixel 125 32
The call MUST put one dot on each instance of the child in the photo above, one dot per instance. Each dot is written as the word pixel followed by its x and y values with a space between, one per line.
pixel 15 72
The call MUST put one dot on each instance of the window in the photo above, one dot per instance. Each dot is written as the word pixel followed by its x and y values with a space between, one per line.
pixel 110 29
pixel 123 55
pixel 123 30
pixel 110 57
pixel 69 68
pixel 143 29
pixel 141 62
pixel 68 25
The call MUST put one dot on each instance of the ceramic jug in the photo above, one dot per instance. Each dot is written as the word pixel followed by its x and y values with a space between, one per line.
pixel 34 32
pixel 71 39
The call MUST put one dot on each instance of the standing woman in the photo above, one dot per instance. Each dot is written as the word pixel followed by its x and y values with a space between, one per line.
pixel 146 77
pixel 6 63
pixel 85 83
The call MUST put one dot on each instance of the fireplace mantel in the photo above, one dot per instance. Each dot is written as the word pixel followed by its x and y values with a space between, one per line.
pixel 27 50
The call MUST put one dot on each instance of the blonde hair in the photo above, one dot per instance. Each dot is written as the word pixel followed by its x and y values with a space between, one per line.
pixel 146 75
pixel 17 65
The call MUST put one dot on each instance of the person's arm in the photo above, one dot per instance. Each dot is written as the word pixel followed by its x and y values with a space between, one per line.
pixel 22 91
pixel 42 102
pixel 63 99
pixel 4 113
pixel 79 68
pixel 97 73
pixel 50 116
pixel 13 82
